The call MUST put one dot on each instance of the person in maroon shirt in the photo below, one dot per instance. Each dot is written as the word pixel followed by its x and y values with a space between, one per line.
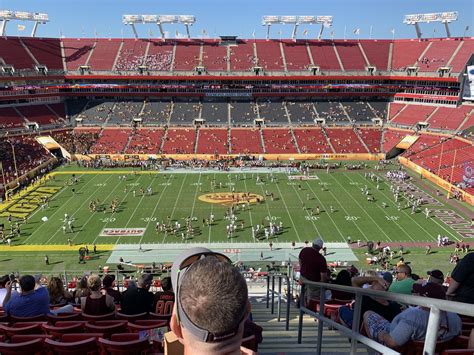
pixel 313 267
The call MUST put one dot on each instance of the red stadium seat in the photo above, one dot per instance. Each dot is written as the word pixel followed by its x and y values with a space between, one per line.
pixel 27 337
pixel 58 331
pixel 90 318
pixel 131 318
pixel 458 352
pixel 74 337
pixel 107 327
pixel 146 325
pixel 63 317
pixel 34 346
pixel 39 318
pixel 125 337
pixel 125 347
pixel 87 346
pixel 34 328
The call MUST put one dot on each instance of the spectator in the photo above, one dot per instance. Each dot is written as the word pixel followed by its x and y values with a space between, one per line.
pixel 436 276
pixel 461 288
pixel 211 303
pixel 385 308
pixel 96 303
pixel 57 293
pixel 313 267
pixel 164 300
pixel 82 290
pixel 343 278
pixel 33 300
pixel 139 299
pixel 108 283
pixel 411 324
pixel 3 291
pixel 404 283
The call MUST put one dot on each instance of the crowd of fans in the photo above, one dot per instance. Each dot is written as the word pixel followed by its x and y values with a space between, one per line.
pixel 155 62
pixel 391 323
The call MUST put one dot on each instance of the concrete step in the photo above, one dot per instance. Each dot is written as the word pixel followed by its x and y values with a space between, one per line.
pixel 277 340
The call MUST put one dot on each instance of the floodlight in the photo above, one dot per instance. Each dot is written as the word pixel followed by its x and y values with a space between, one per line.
pixel 270 20
pixel 306 19
pixel 288 19
pixel 131 18
pixel 443 17
pixel 150 18
pixel 168 18
pixel 7 15
pixel 189 19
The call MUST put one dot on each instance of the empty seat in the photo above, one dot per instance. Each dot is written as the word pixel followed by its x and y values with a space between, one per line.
pixel 146 325
pixel 58 331
pixel 34 346
pixel 74 337
pixel 131 318
pixel 74 348
pixel 107 327
pixel 21 329
pixel 125 347
pixel 63 317
pixel 16 319
pixel 90 318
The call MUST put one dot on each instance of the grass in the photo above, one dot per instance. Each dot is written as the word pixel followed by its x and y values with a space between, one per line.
pixel 176 195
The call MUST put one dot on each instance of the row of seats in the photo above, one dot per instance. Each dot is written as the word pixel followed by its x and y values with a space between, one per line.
pixel 128 54
pixel 44 115
pixel 218 111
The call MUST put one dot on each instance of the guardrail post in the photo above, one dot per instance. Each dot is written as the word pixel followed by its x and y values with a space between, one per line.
pixel 279 298
pixel 268 290
pixel 356 320
pixel 288 303
pixel 300 321
pixel 273 294
pixel 322 299
pixel 432 331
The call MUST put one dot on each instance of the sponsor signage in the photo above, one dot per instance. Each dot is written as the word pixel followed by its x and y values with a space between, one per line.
pixel 122 232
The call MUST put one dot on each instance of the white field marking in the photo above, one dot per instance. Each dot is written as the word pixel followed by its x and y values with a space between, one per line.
pixel 307 213
pixel 154 211
pixel 121 201
pixel 38 209
pixel 385 213
pixel 410 216
pixel 287 211
pixel 72 215
pixel 363 209
pixel 133 213
pixel 329 214
pixel 250 210
pixel 198 184
pixel 210 224
pixel 176 202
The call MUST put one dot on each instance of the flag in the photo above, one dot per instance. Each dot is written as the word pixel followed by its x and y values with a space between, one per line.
pixel 356 31
pixel 253 34
pixel 467 28
pixel 21 27
pixel 392 31
pixel 305 32
pixel 177 34
pixel 150 33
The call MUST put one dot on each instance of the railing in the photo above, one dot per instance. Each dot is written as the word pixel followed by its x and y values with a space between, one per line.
pixel 435 306
pixel 271 295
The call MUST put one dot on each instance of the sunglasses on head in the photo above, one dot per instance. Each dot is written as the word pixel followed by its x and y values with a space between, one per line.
pixel 181 315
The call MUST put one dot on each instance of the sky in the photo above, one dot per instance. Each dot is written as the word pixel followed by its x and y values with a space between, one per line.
pixel 242 18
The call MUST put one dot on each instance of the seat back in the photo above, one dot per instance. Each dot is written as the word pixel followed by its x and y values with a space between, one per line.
pixel 63 317
pixel 91 318
pixel 147 324
pixel 107 327
pixel 74 337
pixel 131 318
pixel 121 337
pixel 39 318
pixel 27 337
pixel 74 348
pixel 25 348
pixel 58 331
pixel 125 347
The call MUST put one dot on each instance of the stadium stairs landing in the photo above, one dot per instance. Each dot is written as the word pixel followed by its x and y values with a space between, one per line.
pixel 278 341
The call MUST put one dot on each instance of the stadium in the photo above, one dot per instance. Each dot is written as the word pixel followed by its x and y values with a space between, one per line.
pixel 116 154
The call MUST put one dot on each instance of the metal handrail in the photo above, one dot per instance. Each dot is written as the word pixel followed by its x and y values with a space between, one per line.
pixel 271 294
pixel 435 306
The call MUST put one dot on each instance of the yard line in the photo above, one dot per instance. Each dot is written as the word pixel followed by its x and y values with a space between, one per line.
pixel 72 215
pixel 134 211
pixel 433 219
pixel 321 203
pixel 212 205
pixel 176 202
pixel 58 209
pixel 287 211
pixel 250 210
pixel 385 213
pixel 195 197
pixel 121 201
pixel 154 209
pixel 363 209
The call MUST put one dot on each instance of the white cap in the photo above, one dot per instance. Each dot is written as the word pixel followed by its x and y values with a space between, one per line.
pixel 318 243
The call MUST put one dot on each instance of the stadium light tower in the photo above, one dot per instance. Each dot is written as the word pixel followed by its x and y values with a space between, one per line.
pixel 132 20
pixel 36 17
pixel 444 17
pixel 325 21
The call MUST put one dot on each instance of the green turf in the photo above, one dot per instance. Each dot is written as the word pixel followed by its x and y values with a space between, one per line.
pixel 176 195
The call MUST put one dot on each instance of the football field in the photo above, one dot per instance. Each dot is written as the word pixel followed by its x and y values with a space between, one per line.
pixel 192 205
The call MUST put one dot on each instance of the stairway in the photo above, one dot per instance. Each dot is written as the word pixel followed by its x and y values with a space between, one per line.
pixel 328 140
pixel 277 340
